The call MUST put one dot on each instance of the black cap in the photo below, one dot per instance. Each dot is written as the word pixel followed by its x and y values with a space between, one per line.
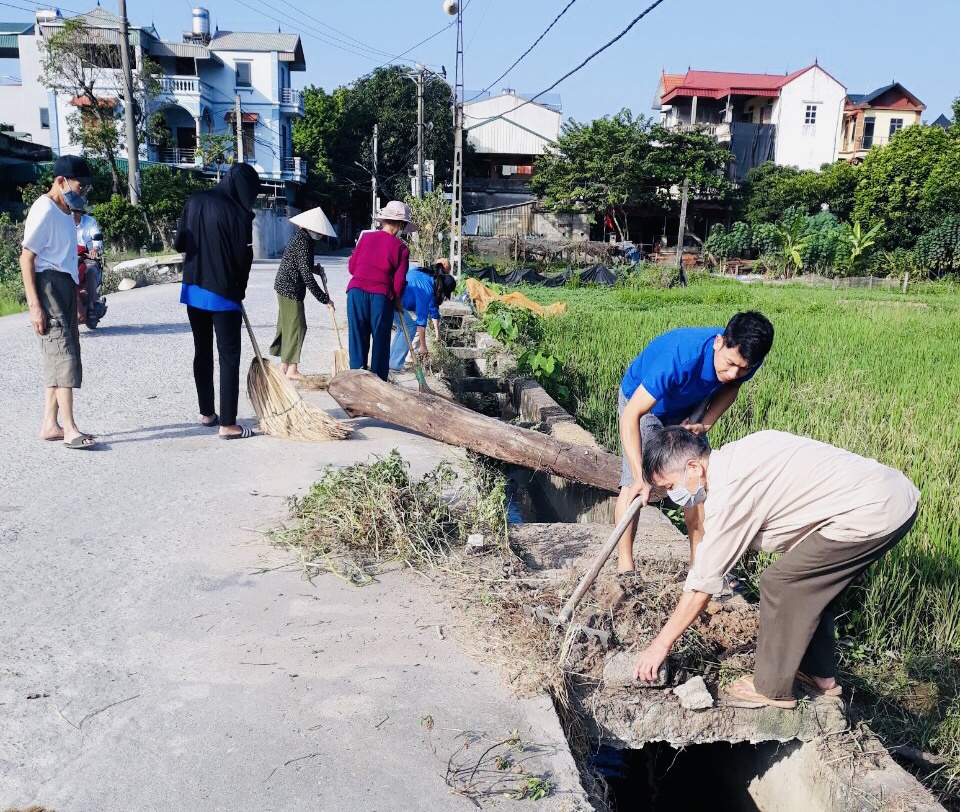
pixel 73 167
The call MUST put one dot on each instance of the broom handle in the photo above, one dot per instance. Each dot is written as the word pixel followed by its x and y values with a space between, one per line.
pixel 406 332
pixel 333 316
pixel 591 574
pixel 253 338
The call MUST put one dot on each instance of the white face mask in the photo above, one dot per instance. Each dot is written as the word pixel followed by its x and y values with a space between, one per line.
pixel 682 497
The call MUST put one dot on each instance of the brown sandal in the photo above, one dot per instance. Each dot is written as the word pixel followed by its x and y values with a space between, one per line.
pixel 743 694
pixel 809 684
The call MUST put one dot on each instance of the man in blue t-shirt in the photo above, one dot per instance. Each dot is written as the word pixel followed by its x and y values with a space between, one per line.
pixel 688 377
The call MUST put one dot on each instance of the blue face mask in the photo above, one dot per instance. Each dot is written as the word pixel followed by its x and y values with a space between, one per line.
pixel 682 497
pixel 76 202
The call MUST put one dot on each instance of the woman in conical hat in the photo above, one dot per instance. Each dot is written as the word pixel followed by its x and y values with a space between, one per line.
pixel 294 278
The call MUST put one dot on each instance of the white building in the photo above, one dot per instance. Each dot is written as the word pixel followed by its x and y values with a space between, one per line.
pixel 507 133
pixel 203 77
pixel 792 120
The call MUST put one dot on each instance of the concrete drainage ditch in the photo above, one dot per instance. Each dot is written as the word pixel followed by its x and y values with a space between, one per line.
pixel 654 753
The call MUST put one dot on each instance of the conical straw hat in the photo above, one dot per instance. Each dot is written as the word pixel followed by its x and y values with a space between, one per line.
pixel 314 220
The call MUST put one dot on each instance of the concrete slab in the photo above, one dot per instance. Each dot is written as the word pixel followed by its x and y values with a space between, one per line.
pixel 158 655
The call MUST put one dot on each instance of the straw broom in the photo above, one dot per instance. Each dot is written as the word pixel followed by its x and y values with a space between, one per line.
pixel 279 407
pixel 341 358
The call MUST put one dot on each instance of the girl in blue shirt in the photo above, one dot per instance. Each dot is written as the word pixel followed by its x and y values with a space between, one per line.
pixel 426 289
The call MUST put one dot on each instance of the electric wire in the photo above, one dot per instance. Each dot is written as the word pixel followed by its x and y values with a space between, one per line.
pixel 589 59
pixel 524 54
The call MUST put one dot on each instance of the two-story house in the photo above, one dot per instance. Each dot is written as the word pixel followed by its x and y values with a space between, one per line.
pixel 204 78
pixel 872 119
pixel 792 120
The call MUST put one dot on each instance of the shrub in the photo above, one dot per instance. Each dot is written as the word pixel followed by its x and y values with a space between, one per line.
pixel 124 225
pixel 938 250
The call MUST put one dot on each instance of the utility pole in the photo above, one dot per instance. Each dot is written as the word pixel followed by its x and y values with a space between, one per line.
pixel 420 83
pixel 456 207
pixel 130 125
pixel 373 180
pixel 683 231
pixel 238 121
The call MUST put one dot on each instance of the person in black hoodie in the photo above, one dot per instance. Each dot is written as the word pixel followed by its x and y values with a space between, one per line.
pixel 215 234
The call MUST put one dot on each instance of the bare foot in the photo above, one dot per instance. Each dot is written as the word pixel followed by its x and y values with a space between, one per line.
pixel 295 376
pixel 54 432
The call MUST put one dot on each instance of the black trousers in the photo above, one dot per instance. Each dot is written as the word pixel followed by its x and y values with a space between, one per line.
pixel 227 325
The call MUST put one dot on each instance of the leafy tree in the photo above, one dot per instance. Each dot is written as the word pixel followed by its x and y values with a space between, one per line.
pixel 336 137
pixel 898 183
pixel 164 192
pixel 769 190
pixel 78 63
pixel 603 166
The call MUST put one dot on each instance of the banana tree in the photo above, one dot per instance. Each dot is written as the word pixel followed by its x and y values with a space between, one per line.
pixel 860 242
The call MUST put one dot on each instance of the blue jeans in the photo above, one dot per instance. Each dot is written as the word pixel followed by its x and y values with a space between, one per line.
pixel 400 347
pixel 369 317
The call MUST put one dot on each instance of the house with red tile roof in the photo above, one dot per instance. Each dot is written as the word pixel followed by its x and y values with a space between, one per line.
pixel 792 119
pixel 872 119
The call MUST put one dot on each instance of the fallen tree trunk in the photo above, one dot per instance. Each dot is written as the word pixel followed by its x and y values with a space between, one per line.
pixel 362 394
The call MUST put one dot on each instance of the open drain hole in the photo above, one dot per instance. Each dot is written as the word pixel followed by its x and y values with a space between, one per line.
pixel 739 777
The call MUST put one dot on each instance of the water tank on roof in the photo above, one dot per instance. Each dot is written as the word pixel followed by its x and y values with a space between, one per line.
pixel 47 15
pixel 201 22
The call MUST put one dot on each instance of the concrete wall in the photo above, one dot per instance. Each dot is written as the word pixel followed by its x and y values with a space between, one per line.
pixel 271 233
pixel 809 146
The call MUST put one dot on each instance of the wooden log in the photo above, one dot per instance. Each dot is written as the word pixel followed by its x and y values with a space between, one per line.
pixel 362 394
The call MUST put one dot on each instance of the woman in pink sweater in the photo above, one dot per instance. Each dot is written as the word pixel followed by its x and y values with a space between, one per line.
pixel 378 266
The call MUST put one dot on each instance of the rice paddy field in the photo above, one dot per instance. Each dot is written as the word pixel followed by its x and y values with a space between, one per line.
pixel 875 372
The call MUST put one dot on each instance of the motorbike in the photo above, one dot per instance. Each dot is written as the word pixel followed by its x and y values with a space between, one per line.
pixel 92 304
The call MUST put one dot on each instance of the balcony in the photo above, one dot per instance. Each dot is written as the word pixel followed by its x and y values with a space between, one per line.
pixel 291 101
pixel 294 169
pixel 719 131
pixel 185 91
pixel 864 144
pixel 177 156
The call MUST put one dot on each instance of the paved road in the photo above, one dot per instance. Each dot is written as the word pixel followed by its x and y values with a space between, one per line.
pixel 144 665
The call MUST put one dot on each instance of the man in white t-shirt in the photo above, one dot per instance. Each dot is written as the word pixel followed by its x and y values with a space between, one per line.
pixel 48 264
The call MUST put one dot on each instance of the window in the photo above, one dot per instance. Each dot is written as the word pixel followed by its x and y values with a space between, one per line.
pixel 810 116
pixel 747 115
pixel 896 124
pixel 243 74
pixel 868 124
pixel 44 118
pixel 185 66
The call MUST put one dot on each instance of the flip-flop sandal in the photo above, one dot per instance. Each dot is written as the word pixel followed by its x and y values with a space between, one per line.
pixel 81 442
pixel 212 423
pixel 809 684
pixel 243 435
pixel 743 694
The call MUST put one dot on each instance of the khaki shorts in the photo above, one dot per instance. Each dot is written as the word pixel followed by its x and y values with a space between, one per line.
pixel 650 424
pixel 60 343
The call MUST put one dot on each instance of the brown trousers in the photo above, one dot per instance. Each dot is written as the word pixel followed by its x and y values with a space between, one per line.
pixel 798 596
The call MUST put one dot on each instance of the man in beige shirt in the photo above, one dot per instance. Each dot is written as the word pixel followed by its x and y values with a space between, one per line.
pixel 831 512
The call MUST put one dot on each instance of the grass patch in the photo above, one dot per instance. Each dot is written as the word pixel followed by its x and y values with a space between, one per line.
pixel 11 301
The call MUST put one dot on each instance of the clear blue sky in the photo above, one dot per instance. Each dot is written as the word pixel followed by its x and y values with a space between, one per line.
pixel 863 44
